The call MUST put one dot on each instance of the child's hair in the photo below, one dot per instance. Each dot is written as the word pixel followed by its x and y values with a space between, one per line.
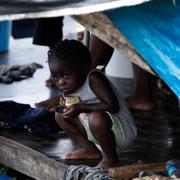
pixel 70 52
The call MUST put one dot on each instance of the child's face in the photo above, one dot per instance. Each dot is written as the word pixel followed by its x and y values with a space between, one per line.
pixel 68 79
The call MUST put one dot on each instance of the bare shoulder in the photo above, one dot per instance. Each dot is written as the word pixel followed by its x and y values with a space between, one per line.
pixel 102 88
pixel 98 81
pixel 96 75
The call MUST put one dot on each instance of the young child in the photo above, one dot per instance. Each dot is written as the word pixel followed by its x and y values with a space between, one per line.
pixel 100 117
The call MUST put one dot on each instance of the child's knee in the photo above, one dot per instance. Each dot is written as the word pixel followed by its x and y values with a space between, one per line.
pixel 61 121
pixel 98 119
pixel 58 117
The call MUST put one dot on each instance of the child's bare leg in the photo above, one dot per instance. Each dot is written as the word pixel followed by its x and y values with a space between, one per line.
pixel 100 125
pixel 75 129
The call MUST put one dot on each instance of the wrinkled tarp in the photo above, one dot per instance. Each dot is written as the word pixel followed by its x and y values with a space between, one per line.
pixel 20 9
pixel 153 29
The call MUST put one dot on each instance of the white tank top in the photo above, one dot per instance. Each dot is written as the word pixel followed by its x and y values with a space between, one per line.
pixel 86 94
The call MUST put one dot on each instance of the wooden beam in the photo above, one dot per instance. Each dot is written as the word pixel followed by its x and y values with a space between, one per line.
pixel 29 161
pixel 128 172
pixel 103 28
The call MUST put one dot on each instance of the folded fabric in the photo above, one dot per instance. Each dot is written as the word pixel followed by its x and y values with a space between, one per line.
pixel 24 117
pixel 17 72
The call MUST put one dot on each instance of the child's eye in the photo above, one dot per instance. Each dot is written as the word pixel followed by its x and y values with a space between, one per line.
pixel 66 76
pixel 55 78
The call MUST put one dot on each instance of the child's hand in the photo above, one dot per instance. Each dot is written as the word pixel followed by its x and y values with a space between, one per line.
pixel 72 111
pixel 49 104
pixel 62 100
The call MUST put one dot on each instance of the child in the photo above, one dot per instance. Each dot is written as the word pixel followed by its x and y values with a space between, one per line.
pixel 100 117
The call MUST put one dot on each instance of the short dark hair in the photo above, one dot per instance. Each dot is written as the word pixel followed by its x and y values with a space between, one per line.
pixel 70 52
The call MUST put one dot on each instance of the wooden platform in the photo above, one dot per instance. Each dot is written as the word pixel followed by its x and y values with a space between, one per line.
pixel 158 130
pixel 158 141
pixel 28 161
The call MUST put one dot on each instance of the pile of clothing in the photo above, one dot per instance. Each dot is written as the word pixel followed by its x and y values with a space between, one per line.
pixel 17 72
pixel 19 116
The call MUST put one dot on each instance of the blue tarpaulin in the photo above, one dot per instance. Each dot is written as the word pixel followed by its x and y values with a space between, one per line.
pixel 153 29
pixel 5 178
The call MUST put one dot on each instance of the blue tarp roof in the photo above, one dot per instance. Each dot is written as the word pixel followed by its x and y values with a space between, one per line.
pixel 153 29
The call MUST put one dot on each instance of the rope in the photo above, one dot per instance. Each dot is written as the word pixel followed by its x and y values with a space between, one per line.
pixel 86 173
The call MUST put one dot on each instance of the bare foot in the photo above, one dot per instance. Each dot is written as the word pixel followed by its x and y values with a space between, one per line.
pixel 84 154
pixel 108 163
pixel 4 125
pixel 139 104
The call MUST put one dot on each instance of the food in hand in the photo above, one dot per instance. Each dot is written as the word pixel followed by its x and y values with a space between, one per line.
pixel 71 99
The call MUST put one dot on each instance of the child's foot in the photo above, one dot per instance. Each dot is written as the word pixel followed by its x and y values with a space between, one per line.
pixel 108 163
pixel 139 104
pixel 84 154
pixel 4 125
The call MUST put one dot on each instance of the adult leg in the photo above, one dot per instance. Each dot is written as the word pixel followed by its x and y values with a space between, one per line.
pixel 142 98
pixel 100 51
pixel 47 32
pixel 100 126
pixel 75 129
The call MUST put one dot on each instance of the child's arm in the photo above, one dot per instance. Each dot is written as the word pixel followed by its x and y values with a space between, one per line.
pixel 101 87
pixel 49 104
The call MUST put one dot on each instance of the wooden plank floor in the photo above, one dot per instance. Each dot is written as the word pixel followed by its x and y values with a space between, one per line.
pixel 158 130
pixel 158 140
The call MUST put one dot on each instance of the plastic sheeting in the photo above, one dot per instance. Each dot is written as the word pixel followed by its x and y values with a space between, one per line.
pixel 153 29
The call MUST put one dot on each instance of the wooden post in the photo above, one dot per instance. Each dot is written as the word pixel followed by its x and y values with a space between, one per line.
pixel 86 38
pixel 29 161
